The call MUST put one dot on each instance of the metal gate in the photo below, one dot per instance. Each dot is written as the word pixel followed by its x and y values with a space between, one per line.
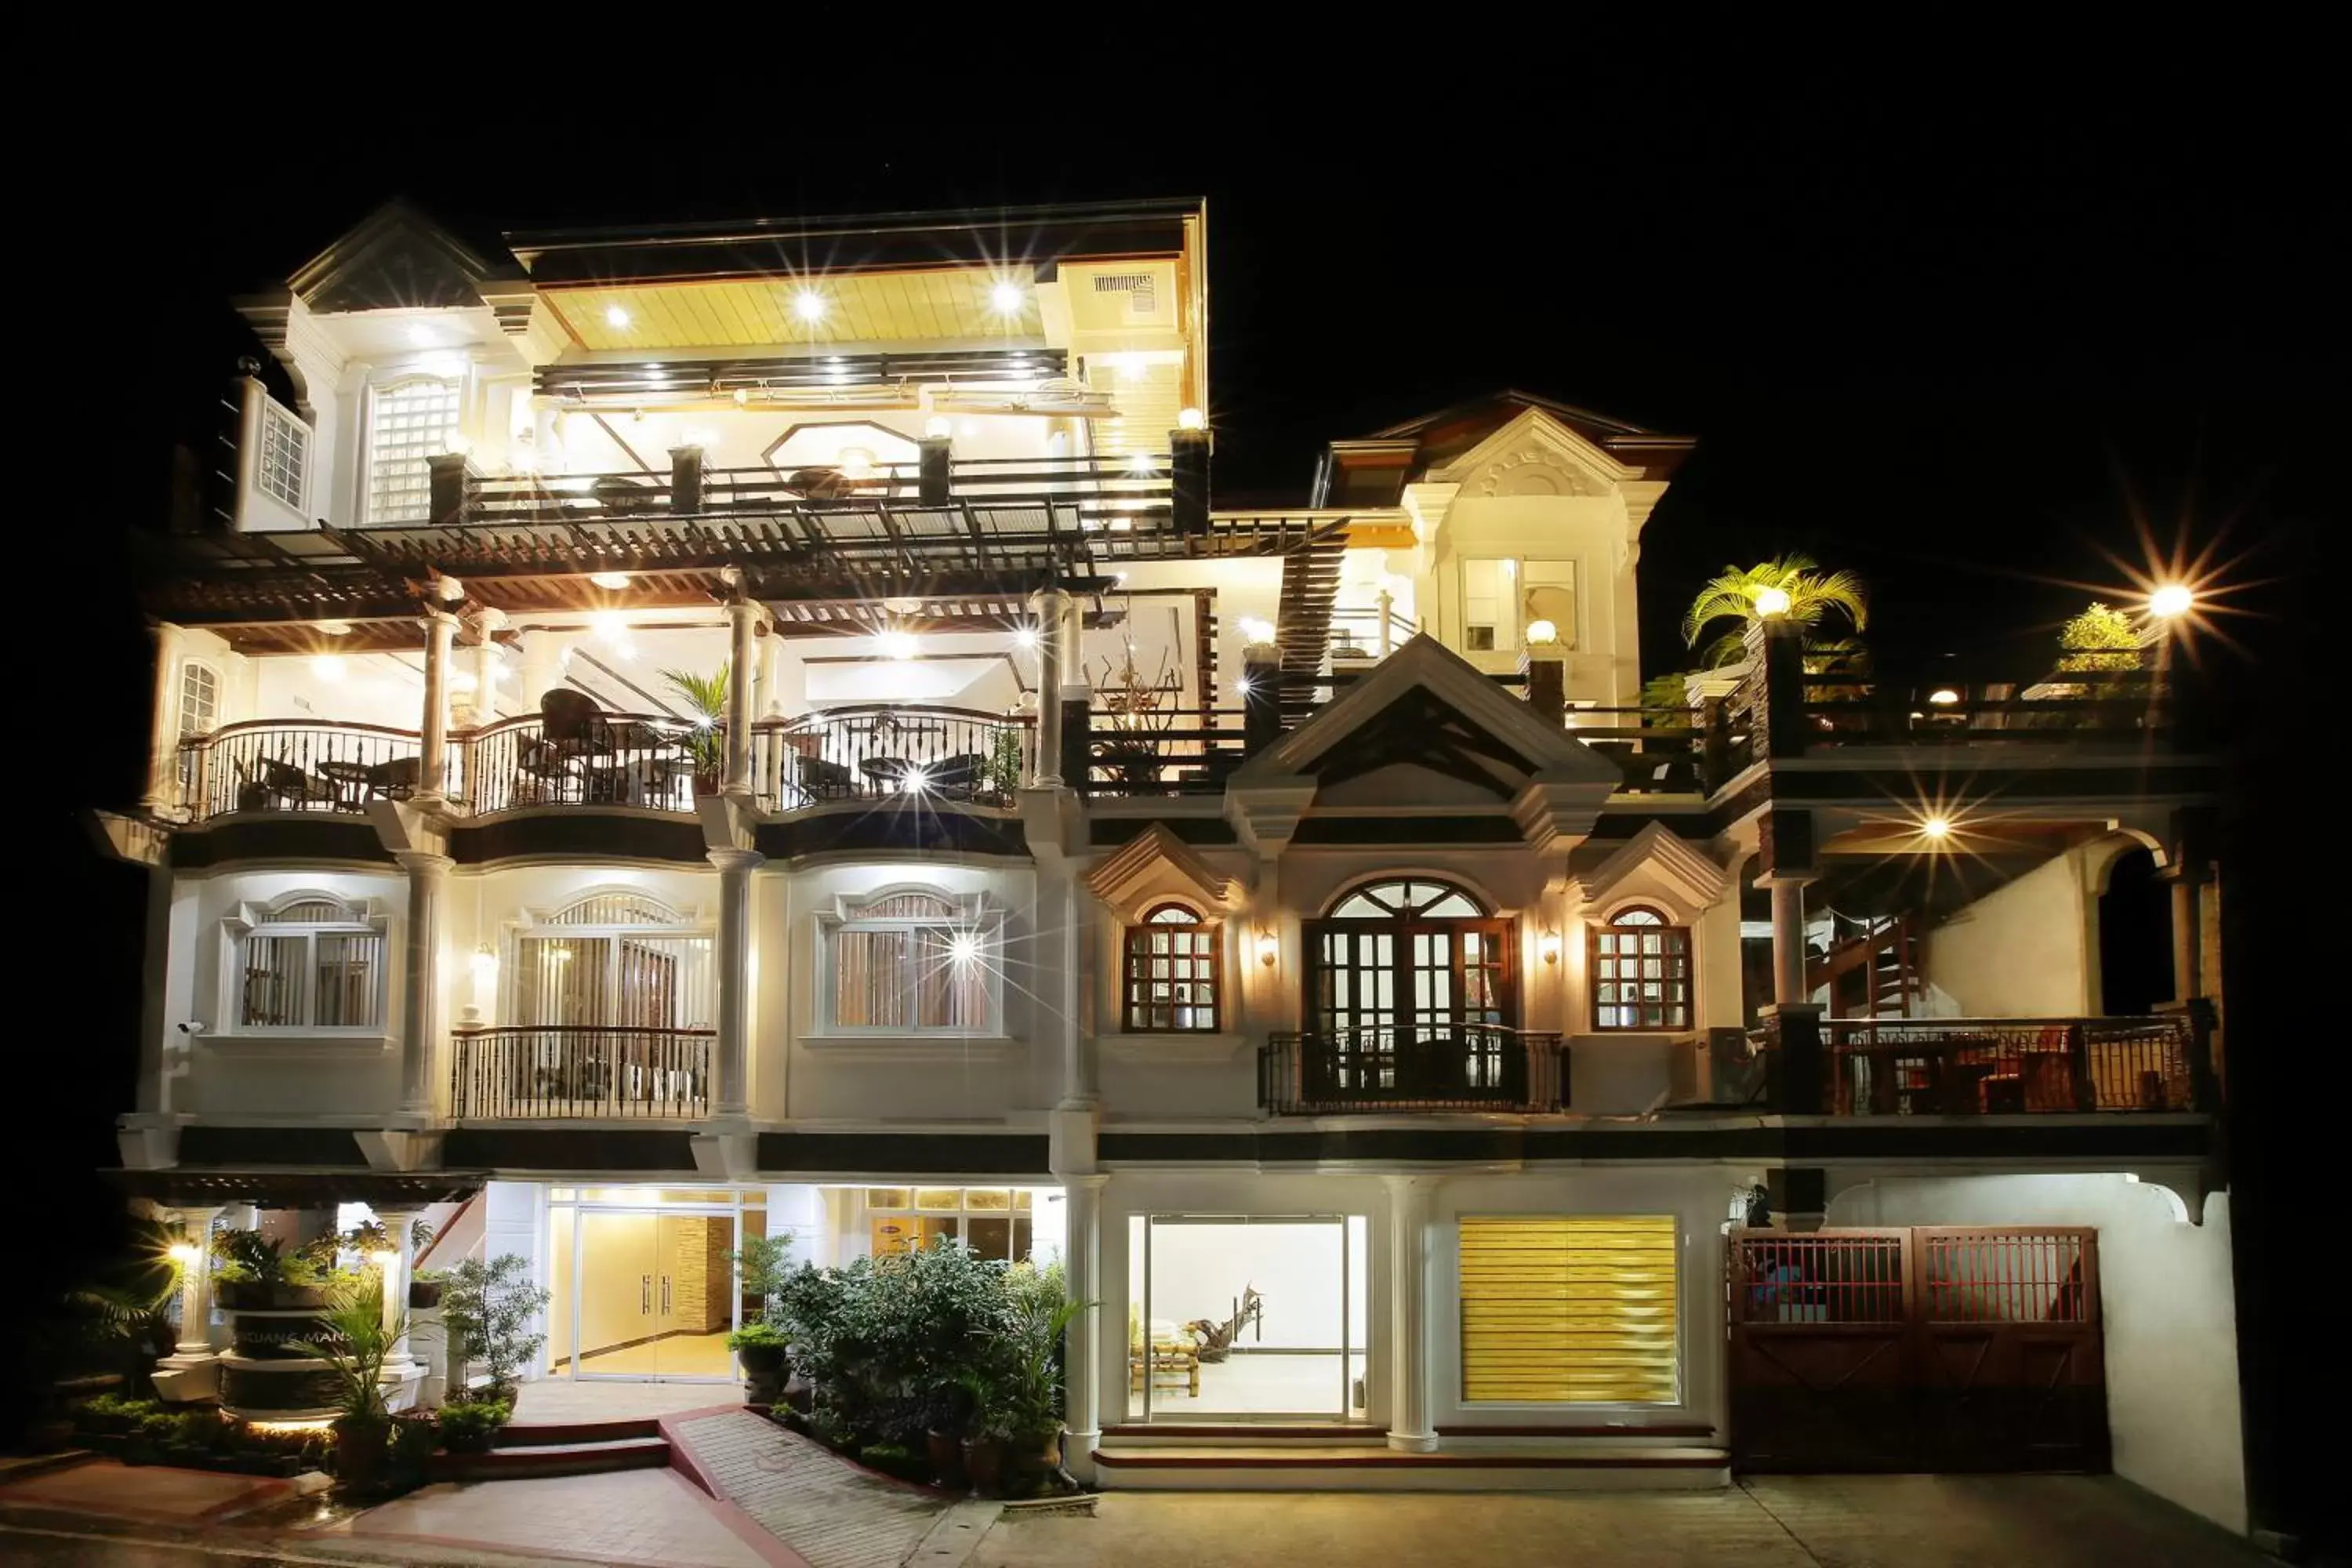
pixel 1919 1348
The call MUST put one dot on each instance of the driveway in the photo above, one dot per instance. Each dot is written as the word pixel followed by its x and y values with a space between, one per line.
pixel 1831 1521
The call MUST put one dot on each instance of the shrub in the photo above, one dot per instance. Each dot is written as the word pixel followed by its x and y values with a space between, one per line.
pixel 111 1412
pixel 757 1336
pixel 467 1426
pixel 488 1310
pixel 895 1459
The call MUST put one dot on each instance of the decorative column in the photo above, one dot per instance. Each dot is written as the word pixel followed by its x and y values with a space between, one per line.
pixel 742 619
pixel 489 659
pixel 1788 939
pixel 542 668
pixel 733 1068
pixel 1048 607
pixel 420 1042
pixel 1412 1208
pixel 163 764
pixel 192 1370
pixel 395 1262
pixel 1082 1347
pixel 433 754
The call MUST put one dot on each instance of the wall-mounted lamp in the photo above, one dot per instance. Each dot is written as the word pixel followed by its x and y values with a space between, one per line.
pixel 1548 945
pixel 1268 947
pixel 486 965
pixel 185 1254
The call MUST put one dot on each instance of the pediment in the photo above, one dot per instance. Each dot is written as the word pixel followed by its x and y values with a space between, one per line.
pixel 1534 454
pixel 1154 867
pixel 397 259
pixel 1655 863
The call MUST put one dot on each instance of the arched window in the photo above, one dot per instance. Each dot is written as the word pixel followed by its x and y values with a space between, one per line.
pixel 910 961
pixel 1409 961
pixel 1640 973
pixel 1170 976
pixel 309 963
pixel 612 960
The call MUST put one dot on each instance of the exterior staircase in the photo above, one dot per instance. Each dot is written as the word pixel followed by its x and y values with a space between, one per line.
pixel 1872 969
pixel 1349 1458
pixel 573 1449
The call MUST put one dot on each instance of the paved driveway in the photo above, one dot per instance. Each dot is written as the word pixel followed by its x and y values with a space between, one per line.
pixel 1833 1521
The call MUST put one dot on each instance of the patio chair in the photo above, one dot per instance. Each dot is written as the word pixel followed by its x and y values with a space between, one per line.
pixel 396 779
pixel 823 780
pixel 957 777
pixel 293 788
pixel 568 721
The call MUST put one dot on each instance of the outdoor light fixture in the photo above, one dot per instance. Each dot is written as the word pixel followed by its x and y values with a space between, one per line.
pixel 611 626
pixel 485 963
pixel 185 1254
pixel 327 666
pixel 2171 601
pixel 900 644
pixel 1936 827
pixel 857 463
pixel 1943 696
pixel 1540 632
pixel 1269 946
pixel 742 395
pixel 964 948
pixel 616 317
pixel 1548 945
pixel 1244 686
pixel 1025 636
pixel 1008 299
pixel 1773 601
pixel 613 580
pixel 939 427
pixel 1191 419
pixel 335 628
pixel 1255 630
pixel 809 306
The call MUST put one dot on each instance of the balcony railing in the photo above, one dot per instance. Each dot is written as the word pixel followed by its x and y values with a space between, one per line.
pixel 559 1072
pixel 1461 1067
pixel 271 766
pixel 877 750
pixel 1193 759
pixel 1996 1067
pixel 604 759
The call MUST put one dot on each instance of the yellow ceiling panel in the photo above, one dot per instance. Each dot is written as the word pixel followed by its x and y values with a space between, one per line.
pixel 927 305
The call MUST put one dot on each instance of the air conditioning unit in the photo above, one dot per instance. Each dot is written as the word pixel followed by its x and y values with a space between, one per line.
pixel 1715 1067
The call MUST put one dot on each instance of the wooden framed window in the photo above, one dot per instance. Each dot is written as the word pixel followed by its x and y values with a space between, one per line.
pixel 1640 973
pixel 307 963
pixel 914 962
pixel 1170 977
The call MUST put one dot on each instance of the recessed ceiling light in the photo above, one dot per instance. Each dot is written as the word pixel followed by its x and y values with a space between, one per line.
pixel 327 666
pixel 809 305
pixel 335 628
pixel 615 579
pixel 900 644
pixel 1008 298
pixel 616 317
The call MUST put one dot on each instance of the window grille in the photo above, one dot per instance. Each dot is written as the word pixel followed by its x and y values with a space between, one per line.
pixel 1170 979
pixel 284 459
pixel 313 963
pixel 414 420
pixel 1640 973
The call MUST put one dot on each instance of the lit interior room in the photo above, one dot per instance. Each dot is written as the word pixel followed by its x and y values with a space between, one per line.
pixel 1248 1317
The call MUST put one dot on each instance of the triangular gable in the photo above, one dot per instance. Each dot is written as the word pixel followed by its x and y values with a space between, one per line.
pixel 397 259
pixel 1655 862
pixel 1154 865
pixel 1536 454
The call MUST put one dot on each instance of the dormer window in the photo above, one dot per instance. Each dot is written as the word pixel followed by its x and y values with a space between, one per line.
pixel 1170 977
pixel 409 421
pixel 308 963
pixel 1640 973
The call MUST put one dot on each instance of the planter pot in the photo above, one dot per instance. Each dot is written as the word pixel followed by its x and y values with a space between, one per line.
pixel 764 1370
pixel 470 1442
pixel 1041 1451
pixel 424 1293
pixel 361 1448
pixel 945 1450
pixel 984 1461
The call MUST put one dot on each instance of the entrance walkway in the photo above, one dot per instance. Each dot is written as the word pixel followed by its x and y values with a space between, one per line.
pixel 554 1401
pixel 832 1513
pixel 1847 1521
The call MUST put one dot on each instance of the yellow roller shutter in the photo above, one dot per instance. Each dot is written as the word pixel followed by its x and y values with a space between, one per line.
pixel 1569 1310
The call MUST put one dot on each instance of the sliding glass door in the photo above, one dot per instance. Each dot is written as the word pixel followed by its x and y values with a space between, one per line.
pixel 1247 1317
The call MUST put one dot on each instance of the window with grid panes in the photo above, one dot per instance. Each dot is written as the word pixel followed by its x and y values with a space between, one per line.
pixel 413 420
pixel 284 453
pixel 1640 973
pixel 313 964
pixel 1171 972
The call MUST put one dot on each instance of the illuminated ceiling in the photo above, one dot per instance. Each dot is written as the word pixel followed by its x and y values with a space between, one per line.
pixel 932 305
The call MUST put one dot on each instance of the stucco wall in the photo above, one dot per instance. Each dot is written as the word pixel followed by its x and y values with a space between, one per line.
pixel 2168 1310
pixel 2021 952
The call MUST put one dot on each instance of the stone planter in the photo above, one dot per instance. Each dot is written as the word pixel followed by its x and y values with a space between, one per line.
pixel 423 1294
pixel 261 1377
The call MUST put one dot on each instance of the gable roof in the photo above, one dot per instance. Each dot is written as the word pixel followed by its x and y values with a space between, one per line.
pixel 1375 469
pixel 395 257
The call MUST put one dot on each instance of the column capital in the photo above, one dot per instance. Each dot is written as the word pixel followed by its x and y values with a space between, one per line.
pixel 1083 1181
pixel 423 863
pixel 434 615
pixel 736 860
pixel 1413 1183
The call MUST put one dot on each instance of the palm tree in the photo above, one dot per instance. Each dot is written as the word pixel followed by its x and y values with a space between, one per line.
pixel 707 695
pixel 1811 595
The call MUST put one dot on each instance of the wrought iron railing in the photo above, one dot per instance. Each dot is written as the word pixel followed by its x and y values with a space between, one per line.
pixel 1451 1066
pixel 2114 706
pixel 272 765
pixel 656 763
pixel 1190 760
pixel 876 751
pixel 559 1072
pixel 1995 1066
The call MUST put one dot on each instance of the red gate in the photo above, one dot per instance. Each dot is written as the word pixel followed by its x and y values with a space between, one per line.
pixel 1920 1348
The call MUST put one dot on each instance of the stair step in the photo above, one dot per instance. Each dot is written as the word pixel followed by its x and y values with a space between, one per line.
pixel 562 1458
pixel 1343 1466
pixel 538 1434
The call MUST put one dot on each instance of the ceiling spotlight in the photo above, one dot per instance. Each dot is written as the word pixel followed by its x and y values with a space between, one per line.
pixel 613 580
pixel 328 667
pixel 1255 630
pixel 1943 696
pixel 900 644
pixel 610 625
pixel 1008 299
pixel 809 305
pixel 335 628
pixel 1191 419
pixel 2171 601
pixel 1024 636
pixel 1938 827
pixel 616 317
pixel 1773 601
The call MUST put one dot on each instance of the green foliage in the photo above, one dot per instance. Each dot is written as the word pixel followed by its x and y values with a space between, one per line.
pixel 1003 775
pixel 488 1309
pixel 2100 639
pixel 1665 703
pixel 707 695
pixel 765 1263
pixel 415 1435
pixel 468 1425
pixel 113 1413
pixel 357 1345
pixel 1813 594
pixel 368 1235
pixel 895 1459
pixel 758 1335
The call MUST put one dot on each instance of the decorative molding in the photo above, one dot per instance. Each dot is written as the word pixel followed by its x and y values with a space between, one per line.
pixel 1153 865
pixel 1536 442
pixel 885 1050
pixel 1171 1049
pixel 1532 471
pixel 1689 878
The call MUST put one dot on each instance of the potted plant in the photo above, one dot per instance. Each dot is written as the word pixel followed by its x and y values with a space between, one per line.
pixel 764 1355
pixel 948 1420
pixel 707 695
pixel 1032 1379
pixel 991 1430
pixel 471 1425
pixel 358 1344
pixel 424 1288
pixel 489 1310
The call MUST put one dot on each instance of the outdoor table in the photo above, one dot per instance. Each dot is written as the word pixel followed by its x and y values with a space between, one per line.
pixel 349 780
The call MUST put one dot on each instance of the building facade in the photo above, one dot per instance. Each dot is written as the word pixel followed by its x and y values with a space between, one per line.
pixel 685 733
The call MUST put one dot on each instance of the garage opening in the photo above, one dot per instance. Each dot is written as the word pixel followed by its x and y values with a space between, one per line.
pixel 1933 1348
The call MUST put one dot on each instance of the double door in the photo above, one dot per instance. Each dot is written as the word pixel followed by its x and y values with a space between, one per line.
pixel 654 1294
pixel 1414 1008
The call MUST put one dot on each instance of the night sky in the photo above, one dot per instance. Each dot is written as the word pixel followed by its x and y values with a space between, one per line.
pixel 1957 339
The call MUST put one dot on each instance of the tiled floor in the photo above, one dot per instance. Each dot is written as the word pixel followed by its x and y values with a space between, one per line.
pixel 834 1514
pixel 676 1355
pixel 1266 1382
pixel 157 1491
pixel 551 1400
pixel 653 1517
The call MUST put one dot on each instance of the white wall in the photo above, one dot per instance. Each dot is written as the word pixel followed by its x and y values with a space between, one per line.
pixel 2166 1306
pixel 1201 1271
pixel 2022 951
pixel 512 1222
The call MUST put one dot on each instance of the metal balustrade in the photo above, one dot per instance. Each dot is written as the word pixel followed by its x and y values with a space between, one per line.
pixel 656 763
pixel 569 1071
pixel 881 750
pixel 1445 1066
pixel 273 765
pixel 1996 1067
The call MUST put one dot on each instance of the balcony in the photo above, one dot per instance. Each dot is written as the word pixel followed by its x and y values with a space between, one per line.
pixel 1466 1067
pixel 1993 1067
pixel 274 765
pixel 879 749
pixel 570 1072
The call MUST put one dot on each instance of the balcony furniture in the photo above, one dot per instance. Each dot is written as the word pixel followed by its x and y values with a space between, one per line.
pixel 349 780
pixel 395 780
pixel 620 493
pixel 291 788
pixel 959 777
pixel 887 775
pixel 567 721
pixel 823 780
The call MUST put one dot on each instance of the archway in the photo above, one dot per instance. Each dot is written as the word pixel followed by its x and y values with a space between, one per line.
pixel 2135 937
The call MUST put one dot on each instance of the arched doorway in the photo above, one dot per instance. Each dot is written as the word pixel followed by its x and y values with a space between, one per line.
pixel 2135 937
pixel 1413 986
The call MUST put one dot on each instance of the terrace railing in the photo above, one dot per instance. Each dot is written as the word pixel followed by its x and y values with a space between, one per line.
pixel 877 751
pixel 1458 1067
pixel 1847 709
pixel 1996 1067
pixel 1661 750
pixel 610 759
pixel 272 765
pixel 1188 758
pixel 562 1072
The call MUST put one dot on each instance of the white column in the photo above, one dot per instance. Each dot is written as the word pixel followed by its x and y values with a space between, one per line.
pixel 742 616
pixel 1082 1349
pixel 397 1223
pixel 1074 645
pixel 1047 607
pixel 432 769
pixel 489 659
pixel 733 1066
pixel 1789 986
pixel 1387 603
pixel 1412 1204
pixel 1065 976
pixel 196 1285
pixel 542 668
pixel 420 1041
pixel 163 759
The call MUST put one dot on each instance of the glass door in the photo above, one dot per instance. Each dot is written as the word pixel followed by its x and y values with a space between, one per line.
pixel 1248 1317
pixel 655 1294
